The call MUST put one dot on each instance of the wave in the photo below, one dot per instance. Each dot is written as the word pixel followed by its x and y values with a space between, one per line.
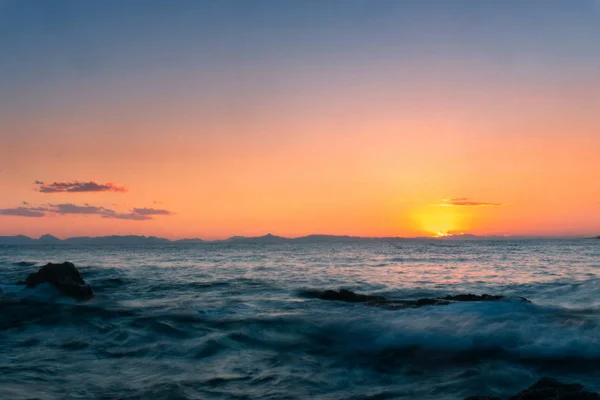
pixel 24 263
pixel 510 330
pixel 507 330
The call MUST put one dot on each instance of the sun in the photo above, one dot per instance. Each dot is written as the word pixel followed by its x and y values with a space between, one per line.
pixel 439 221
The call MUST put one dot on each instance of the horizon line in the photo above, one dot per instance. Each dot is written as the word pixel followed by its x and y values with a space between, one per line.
pixel 464 236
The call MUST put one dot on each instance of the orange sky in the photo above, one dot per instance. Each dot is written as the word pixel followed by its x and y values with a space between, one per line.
pixel 333 140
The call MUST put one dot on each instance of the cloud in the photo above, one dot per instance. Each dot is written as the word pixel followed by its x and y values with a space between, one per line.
pixel 78 187
pixel 466 202
pixel 104 212
pixel 131 216
pixel 136 214
pixel 74 209
pixel 22 212
pixel 151 211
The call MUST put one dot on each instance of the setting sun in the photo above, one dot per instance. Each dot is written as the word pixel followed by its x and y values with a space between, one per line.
pixel 441 221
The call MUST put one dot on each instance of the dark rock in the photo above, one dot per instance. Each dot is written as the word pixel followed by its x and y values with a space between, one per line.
pixel 482 398
pixel 548 389
pixel 473 297
pixel 551 389
pixel 64 277
pixel 349 296
pixel 431 302
pixel 482 297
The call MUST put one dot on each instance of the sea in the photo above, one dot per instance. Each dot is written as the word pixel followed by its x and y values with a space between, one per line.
pixel 234 321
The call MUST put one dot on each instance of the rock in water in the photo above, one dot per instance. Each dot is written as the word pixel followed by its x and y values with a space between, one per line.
pixel 473 297
pixel 482 398
pixel 549 389
pixel 480 297
pixel 347 295
pixel 351 297
pixel 64 277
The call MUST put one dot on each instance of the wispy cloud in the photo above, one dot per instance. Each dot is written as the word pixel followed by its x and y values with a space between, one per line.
pixel 466 202
pixel 78 187
pixel 136 214
pixel 75 209
pixel 151 211
pixel 131 216
pixel 22 212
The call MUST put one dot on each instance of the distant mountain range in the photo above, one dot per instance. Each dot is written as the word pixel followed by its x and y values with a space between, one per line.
pixel 266 239
pixel 135 240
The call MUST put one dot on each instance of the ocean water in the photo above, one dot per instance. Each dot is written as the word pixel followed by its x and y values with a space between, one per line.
pixel 216 321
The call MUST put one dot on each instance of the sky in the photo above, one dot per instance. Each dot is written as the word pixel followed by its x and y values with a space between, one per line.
pixel 374 118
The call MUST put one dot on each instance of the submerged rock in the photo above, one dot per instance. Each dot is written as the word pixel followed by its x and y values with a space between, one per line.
pixel 347 295
pixel 473 297
pixel 480 297
pixel 548 389
pixel 351 297
pixel 64 277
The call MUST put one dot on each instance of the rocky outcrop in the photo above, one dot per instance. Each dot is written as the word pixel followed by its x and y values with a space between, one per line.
pixel 473 297
pixel 64 277
pixel 549 389
pixel 348 296
pixel 480 297
pixel 351 297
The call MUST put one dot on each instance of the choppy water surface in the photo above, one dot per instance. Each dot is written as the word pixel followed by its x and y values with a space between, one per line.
pixel 230 322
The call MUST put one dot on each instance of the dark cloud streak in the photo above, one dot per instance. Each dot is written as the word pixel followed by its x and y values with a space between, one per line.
pixel 466 202
pixel 151 211
pixel 74 209
pixel 136 214
pixel 78 187
pixel 22 212
pixel 130 216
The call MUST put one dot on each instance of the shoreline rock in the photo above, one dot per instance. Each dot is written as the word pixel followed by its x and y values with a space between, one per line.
pixel 548 389
pixel 64 277
pixel 349 296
